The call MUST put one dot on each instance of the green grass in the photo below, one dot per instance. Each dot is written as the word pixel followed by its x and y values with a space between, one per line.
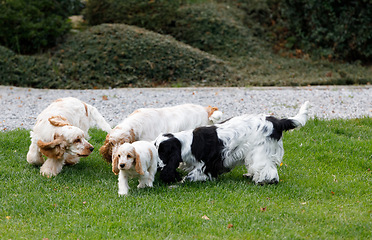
pixel 324 193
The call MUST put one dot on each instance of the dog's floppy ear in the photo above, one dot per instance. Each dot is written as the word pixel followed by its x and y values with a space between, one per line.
pixel 170 153
pixel 54 149
pixel 59 121
pixel 106 149
pixel 115 161
pixel 138 166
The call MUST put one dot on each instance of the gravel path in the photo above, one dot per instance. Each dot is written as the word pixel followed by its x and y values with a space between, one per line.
pixel 19 107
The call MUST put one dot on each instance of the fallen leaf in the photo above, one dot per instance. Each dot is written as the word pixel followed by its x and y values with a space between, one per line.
pixel 205 217
pixel 332 192
pixel 230 225
pixel 263 209
pixel 329 74
pixel 104 97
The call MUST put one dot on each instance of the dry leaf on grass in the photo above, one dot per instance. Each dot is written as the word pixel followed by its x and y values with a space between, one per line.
pixel 205 217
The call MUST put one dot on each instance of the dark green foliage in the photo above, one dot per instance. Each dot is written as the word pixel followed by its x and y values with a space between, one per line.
pixel 31 26
pixel 216 28
pixel 114 55
pixel 152 15
pixel 338 29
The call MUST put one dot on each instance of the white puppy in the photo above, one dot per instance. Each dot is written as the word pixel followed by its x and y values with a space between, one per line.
pixel 60 134
pixel 138 159
pixel 147 123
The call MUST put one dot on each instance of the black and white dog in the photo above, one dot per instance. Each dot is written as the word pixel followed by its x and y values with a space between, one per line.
pixel 206 152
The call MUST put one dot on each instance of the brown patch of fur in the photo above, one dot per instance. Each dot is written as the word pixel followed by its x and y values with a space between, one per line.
pixel 210 110
pixel 138 166
pixel 54 149
pixel 151 155
pixel 86 108
pixel 115 168
pixel 59 121
pixel 71 160
pixel 106 150
pixel 132 136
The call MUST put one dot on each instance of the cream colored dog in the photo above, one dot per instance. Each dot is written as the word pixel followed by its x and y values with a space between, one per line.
pixel 138 159
pixel 60 134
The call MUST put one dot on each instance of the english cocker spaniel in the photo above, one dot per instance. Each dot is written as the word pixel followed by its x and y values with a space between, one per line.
pixel 147 123
pixel 138 159
pixel 252 140
pixel 60 134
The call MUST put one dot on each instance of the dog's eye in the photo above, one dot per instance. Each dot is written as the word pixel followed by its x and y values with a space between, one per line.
pixel 128 156
pixel 119 156
pixel 77 140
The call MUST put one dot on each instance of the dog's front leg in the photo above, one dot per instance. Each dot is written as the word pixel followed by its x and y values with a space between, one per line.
pixel 123 184
pixel 34 156
pixel 51 167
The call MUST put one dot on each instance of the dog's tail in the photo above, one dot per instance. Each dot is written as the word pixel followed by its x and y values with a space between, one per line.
pixel 301 118
pixel 214 116
pixel 281 125
pixel 98 118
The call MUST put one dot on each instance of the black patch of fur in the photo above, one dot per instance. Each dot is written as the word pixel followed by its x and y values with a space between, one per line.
pixel 170 153
pixel 280 125
pixel 207 147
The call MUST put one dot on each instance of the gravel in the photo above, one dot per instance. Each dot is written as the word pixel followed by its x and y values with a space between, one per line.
pixel 20 106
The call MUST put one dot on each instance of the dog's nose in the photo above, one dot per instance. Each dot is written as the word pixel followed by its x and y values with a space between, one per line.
pixel 91 149
pixel 122 165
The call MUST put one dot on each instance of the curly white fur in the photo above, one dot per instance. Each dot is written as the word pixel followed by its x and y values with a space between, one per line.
pixel 251 140
pixel 60 134
pixel 147 123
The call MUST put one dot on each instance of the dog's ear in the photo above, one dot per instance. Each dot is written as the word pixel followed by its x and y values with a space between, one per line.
pixel 170 153
pixel 59 121
pixel 115 162
pixel 138 163
pixel 54 149
pixel 210 110
pixel 106 149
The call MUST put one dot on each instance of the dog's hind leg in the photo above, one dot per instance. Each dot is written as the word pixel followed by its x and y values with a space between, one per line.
pixel 144 180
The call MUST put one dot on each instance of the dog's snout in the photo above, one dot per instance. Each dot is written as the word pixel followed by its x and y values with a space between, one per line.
pixel 122 165
pixel 91 149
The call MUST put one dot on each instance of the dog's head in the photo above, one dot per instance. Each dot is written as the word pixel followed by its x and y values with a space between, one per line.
pixel 115 138
pixel 169 151
pixel 67 139
pixel 125 157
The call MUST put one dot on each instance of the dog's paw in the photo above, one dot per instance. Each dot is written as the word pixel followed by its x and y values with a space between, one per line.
pixel 123 193
pixel 141 185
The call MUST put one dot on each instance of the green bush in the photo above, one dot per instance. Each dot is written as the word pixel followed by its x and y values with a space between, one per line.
pixel 213 27
pixel 31 26
pixel 114 55
pixel 152 15
pixel 334 29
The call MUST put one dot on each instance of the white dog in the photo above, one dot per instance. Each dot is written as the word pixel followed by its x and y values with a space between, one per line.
pixel 147 123
pixel 60 134
pixel 138 159
pixel 252 140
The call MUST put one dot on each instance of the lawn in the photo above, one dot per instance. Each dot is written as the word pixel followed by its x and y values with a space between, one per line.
pixel 324 193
